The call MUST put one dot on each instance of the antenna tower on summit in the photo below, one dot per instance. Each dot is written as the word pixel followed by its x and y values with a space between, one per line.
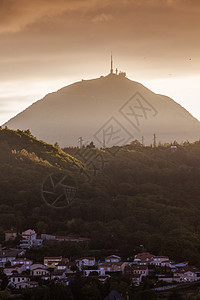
pixel 111 64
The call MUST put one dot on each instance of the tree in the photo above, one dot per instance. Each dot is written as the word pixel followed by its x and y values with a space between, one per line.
pixel 41 227
pixel 2 236
pixel 27 131
pixel 56 144
pixel 91 145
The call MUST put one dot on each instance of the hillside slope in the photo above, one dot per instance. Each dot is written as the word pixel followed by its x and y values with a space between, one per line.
pixel 139 196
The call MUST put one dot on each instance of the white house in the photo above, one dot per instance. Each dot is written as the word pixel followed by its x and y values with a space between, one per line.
pixel 30 239
pixel 68 267
pixel 85 261
pixel 113 267
pixel 101 272
pixel 28 284
pixel 18 278
pixel 39 272
pixel 188 273
pixel 161 261
pixel 29 234
pixel 36 266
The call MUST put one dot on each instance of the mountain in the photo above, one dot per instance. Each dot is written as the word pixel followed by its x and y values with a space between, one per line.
pixel 110 110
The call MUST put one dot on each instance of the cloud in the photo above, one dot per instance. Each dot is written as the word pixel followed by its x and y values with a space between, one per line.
pixel 102 18
pixel 55 38
pixel 15 15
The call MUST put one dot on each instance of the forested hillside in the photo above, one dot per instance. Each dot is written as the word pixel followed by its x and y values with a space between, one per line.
pixel 126 196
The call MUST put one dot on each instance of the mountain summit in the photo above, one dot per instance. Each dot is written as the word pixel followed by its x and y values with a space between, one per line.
pixel 110 110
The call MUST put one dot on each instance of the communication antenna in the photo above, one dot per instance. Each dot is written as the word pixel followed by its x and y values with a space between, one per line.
pixel 111 64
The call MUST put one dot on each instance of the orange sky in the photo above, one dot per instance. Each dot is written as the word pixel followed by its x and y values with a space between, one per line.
pixel 46 44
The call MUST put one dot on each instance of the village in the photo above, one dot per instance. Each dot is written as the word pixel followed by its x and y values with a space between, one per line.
pixel 21 272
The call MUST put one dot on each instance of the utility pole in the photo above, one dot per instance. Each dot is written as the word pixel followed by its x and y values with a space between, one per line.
pixel 80 141
pixel 104 142
pixel 154 140
pixel 142 141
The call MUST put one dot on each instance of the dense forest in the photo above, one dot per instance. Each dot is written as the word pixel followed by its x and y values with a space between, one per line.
pixel 127 198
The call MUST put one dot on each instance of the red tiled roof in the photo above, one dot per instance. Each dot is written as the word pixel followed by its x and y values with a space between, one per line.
pixel 89 258
pixel 144 255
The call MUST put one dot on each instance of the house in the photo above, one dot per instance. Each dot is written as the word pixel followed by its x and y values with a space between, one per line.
pixel 25 244
pixel 58 274
pixel 160 261
pixel 36 266
pixel 37 243
pixel 61 266
pixel 46 277
pixel 28 234
pixel 18 278
pixel 99 272
pixel 141 270
pixel 113 267
pixel 188 273
pixel 10 235
pixel 113 258
pixel 52 262
pixel 136 273
pixel 8 255
pixel 136 279
pixel 68 267
pixel 8 271
pixel 30 239
pixel 85 261
pixel 22 261
pixel 143 258
pixel 29 284
pixel 173 266
pixel 39 272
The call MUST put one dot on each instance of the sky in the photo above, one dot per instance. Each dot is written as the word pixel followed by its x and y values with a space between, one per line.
pixel 48 44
